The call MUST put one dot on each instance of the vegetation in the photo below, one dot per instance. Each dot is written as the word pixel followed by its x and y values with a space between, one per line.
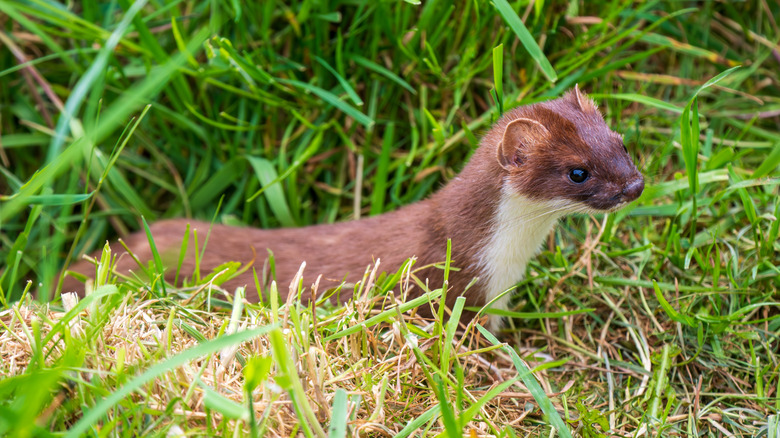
pixel 659 320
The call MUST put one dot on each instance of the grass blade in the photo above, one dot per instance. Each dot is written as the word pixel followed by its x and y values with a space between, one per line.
pixel 517 25
pixel 387 314
pixel 84 84
pixel 287 377
pixel 533 386
pixel 640 98
pixel 55 199
pixel 332 99
pixel 382 170
pixel 371 65
pixel 274 194
pixel 339 415
pixel 498 77
pixel 343 82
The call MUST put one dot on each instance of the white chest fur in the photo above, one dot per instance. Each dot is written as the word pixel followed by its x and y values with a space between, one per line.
pixel 520 226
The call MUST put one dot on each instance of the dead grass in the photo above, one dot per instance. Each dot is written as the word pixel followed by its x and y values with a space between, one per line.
pixel 386 383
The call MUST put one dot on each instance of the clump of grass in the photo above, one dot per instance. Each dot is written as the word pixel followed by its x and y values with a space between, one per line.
pixel 661 319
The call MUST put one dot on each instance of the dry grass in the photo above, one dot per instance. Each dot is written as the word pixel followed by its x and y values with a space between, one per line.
pixel 379 367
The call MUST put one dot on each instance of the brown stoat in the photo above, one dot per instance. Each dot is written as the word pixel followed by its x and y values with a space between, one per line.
pixel 536 164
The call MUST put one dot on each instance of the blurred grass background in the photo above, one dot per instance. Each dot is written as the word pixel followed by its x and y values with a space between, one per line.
pixel 292 113
pixel 321 92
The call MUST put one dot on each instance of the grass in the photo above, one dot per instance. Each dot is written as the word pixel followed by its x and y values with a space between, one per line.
pixel 659 320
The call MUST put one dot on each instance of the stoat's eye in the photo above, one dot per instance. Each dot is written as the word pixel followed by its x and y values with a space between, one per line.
pixel 578 176
pixel 625 148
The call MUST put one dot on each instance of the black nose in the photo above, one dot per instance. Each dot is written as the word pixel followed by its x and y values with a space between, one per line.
pixel 633 189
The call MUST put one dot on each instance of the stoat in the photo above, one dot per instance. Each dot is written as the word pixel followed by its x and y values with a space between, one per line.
pixel 536 164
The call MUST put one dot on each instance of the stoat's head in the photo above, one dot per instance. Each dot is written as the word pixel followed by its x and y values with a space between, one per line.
pixel 562 150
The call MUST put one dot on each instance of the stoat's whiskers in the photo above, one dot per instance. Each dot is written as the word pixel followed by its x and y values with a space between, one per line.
pixel 519 226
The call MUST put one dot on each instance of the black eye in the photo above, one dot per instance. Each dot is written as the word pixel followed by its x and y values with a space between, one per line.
pixel 578 175
pixel 625 148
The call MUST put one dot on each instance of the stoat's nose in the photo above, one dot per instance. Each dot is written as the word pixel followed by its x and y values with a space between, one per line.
pixel 634 189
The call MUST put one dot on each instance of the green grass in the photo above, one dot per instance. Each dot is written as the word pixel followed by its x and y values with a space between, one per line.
pixel 662 319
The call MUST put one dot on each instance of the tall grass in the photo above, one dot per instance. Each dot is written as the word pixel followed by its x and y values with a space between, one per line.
pixel 661 319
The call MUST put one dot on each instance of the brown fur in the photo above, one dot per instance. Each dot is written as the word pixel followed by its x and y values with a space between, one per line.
pixel 533 158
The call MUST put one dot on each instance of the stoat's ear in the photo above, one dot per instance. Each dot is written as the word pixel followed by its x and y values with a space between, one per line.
pixel 519 135
pixel 583 102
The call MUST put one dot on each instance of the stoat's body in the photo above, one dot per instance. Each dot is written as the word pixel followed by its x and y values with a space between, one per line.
pixel 536 164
